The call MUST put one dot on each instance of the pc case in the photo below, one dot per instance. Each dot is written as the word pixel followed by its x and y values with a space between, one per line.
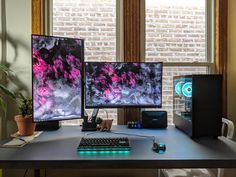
pixel 197 104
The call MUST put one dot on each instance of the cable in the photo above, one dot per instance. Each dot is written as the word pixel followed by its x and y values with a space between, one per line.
pixel 25 172
pixel 106 112
pixel 131 134
pixel 127 134
pixel 90 133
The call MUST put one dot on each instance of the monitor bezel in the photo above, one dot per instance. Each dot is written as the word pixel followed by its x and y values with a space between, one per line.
pixel 82 78
pixel 122 106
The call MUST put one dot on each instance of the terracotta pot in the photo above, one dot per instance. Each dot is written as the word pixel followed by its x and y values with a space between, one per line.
pixel 106 125
pixel 25 125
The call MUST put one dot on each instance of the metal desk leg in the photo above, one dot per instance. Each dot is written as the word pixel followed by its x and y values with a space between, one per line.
pixel 36 172
pixel 158 172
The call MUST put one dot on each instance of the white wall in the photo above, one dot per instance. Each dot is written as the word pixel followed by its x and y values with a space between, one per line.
pixel 232 61
pixel 18 52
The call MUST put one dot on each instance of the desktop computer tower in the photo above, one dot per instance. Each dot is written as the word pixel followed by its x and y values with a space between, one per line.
pixel 197 104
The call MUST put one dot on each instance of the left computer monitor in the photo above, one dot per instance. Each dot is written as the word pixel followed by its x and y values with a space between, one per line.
pixel 57 71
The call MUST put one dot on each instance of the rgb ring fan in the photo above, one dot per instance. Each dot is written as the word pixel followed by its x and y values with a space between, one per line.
pixel 187 89
pixel 178 88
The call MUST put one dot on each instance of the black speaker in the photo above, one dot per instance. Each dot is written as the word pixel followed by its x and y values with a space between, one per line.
pixel 48 126
pixel 154 119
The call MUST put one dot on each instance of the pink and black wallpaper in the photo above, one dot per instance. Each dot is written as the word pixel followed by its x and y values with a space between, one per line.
pixel 57 74
pixel 123 84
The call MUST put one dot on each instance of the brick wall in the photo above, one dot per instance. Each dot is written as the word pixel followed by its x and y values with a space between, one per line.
pixel 173 34
pixel 92 20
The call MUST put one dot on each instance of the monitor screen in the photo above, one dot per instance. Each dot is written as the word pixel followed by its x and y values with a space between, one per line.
pixel 116 84
pixel 57 71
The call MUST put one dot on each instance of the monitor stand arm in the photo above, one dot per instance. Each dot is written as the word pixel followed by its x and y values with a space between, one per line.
pixel 90 124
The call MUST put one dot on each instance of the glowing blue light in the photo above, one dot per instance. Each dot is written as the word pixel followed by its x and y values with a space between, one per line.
pixel 103 152
pixel 187 89
pixel 178 88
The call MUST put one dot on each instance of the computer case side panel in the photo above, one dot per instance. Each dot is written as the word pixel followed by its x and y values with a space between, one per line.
pixel 182 104
pixel 207 105
pixel 183 125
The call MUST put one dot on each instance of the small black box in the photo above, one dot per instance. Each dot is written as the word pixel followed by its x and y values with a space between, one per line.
pixel 48 126
pixel 154 119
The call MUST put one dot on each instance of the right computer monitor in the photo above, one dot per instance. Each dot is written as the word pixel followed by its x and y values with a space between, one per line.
pixel 122 84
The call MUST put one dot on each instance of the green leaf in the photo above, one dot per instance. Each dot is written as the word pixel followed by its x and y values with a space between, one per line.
pixel 3 105
pixel 5 69
pixel 7 92
pixel 21 96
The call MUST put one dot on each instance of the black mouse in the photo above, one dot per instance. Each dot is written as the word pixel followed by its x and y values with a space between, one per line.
pixel 159 147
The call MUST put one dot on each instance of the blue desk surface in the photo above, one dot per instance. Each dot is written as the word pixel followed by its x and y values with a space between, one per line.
pixel 57 149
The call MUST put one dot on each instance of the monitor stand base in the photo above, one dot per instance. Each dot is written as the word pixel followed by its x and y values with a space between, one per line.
pixel 88 128
pixel 48 126
pixel 90 124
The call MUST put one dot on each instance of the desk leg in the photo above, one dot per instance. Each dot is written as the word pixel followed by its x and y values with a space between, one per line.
pixel 36 172
pixel 158 172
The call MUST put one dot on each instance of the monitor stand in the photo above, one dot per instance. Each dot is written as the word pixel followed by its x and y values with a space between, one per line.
pixel 90 124
pixel 48 126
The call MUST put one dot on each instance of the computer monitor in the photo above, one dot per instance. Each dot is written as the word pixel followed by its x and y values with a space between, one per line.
pixel 122 84
pixel 57 71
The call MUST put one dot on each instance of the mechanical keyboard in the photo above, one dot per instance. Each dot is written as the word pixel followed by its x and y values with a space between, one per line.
pixel 104 144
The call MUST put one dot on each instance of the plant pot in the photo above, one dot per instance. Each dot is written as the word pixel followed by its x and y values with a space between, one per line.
pixel 25 125
pixel 106 125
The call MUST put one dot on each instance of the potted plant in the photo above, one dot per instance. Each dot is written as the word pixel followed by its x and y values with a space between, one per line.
pixel 104 125
pixel 24 121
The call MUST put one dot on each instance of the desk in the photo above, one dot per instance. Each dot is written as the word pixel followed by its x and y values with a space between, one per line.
pixel 57 149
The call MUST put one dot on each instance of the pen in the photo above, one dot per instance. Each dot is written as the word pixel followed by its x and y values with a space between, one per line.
pixel 21 139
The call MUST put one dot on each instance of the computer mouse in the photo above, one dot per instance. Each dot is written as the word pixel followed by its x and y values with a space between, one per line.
pixel 159 147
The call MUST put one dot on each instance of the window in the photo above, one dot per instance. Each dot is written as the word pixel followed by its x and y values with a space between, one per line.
pixel 176 34
pixel 94 21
